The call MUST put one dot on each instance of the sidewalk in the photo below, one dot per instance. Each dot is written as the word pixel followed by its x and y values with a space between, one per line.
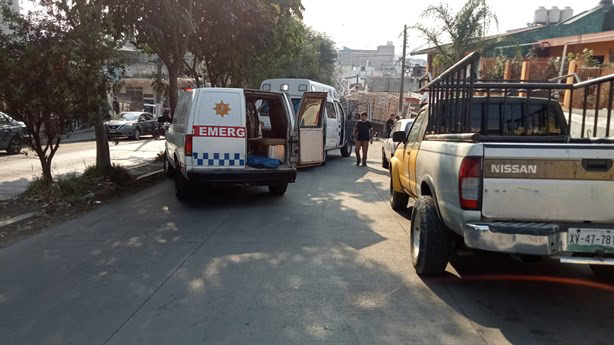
pixel 86 134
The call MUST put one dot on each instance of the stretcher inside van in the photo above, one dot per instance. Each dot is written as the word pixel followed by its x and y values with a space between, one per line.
pixel 217 136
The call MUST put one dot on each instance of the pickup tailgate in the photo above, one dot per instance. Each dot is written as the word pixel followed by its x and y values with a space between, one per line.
pixel 549 182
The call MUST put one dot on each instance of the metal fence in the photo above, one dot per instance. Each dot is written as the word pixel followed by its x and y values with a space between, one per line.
pixel 453 94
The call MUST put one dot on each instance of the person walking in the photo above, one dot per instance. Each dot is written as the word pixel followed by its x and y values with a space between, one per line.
pixel 115 106
pixel 389 124
pixel 363 132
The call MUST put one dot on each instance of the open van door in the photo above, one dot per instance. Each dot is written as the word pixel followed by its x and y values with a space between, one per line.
pixel 310 122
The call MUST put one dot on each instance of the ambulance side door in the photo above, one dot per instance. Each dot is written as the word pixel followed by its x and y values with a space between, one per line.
pixel 310 121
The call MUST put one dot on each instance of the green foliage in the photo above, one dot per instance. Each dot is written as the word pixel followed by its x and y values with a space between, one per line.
pixel 310 55
pixel 56 65
pixel 163 27
pixel 453 35
pixel 585 57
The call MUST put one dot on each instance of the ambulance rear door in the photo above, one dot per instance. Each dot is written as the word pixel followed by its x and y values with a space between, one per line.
pixel 310 122
pixel 219 130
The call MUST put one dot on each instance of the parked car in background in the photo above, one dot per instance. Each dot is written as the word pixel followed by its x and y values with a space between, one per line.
pixel 132 125
pixel 390 146
pixel 11 134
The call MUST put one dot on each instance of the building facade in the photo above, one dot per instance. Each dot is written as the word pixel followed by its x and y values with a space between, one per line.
pixel 592 29
pixel 381 58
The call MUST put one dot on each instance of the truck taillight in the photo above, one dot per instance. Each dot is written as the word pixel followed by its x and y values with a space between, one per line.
pixel 469 183
pixel 188 145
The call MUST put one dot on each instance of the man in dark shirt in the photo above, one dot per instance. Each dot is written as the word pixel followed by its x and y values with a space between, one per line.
pixel 115 106
pixel 364 135
pixel 389 125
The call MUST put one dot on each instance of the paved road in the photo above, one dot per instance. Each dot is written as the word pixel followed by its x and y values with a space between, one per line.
pixel 16 171
pixel 327 263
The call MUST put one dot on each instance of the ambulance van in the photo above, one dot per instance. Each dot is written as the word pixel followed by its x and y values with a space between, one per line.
pixel 217 137
pixel 338 128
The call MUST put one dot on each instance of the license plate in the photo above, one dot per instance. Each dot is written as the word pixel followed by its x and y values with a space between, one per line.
pixel 590 239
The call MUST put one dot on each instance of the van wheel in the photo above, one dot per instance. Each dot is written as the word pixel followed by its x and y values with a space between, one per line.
pixel 398 201
pixel 603 272
pixel 168 168
pixel 430 240
pixel 182 186
pixel 278 189
pixel 346 151
pixel 385 163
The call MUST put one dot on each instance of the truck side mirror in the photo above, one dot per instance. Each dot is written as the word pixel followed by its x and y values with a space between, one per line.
pixel 399 137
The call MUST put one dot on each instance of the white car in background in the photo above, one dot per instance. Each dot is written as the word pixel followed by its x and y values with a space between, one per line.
pixel 389 146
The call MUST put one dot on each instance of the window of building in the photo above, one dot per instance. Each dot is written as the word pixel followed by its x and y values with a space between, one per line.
pixel 134 91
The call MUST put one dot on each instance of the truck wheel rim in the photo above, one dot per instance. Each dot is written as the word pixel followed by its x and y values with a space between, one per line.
pixel 415 237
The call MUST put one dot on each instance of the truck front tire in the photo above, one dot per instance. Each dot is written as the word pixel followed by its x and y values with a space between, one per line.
pixel 385 163
pixel 430 239
pixel 398 201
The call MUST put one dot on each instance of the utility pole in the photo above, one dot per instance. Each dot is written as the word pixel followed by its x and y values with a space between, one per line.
pixel 403 70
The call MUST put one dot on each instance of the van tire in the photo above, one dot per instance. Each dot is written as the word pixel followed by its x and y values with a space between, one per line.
pixel 278 189
pixel 430 241
pixel 385 163
pixel 346 151
pixel 168 168
pixel 182 186
pixel 603 272
pixel 398 201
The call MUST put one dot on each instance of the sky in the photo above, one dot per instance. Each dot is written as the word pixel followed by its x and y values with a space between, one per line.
pixel 365 24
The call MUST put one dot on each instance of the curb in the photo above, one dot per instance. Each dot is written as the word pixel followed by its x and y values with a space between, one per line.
pixel 17 219
pixel 149 174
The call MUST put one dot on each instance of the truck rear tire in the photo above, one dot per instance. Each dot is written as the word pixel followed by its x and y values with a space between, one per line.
pixel 346 150
pixel 398 201
pixel 278 189
pixel 429 239
pixel 183 189
pixel 603 272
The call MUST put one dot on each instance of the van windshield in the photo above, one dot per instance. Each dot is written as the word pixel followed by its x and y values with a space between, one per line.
pixel 296 102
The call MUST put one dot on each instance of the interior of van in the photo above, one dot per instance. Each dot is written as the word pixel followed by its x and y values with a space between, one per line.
pixel 266 144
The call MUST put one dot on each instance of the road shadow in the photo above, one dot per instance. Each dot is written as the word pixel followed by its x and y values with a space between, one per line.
pixel 528 303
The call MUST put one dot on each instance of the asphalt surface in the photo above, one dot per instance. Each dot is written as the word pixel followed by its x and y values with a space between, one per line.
pixel 16 171
pixel 327 263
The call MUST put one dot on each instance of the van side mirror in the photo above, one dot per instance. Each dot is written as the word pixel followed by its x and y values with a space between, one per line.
pixel 399 137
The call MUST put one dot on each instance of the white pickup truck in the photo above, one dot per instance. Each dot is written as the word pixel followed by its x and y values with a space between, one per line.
pixel 492 168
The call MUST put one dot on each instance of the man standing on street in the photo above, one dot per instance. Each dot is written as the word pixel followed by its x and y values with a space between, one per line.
pixel 364 135
pixel 115 106
pixel 389 125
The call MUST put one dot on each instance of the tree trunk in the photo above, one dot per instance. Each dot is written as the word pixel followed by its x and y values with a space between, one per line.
pixel 172 89
pixel 46 165
pixel 103 156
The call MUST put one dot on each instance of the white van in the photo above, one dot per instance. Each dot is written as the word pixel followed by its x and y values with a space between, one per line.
pixel 338 130
pixel 216 137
